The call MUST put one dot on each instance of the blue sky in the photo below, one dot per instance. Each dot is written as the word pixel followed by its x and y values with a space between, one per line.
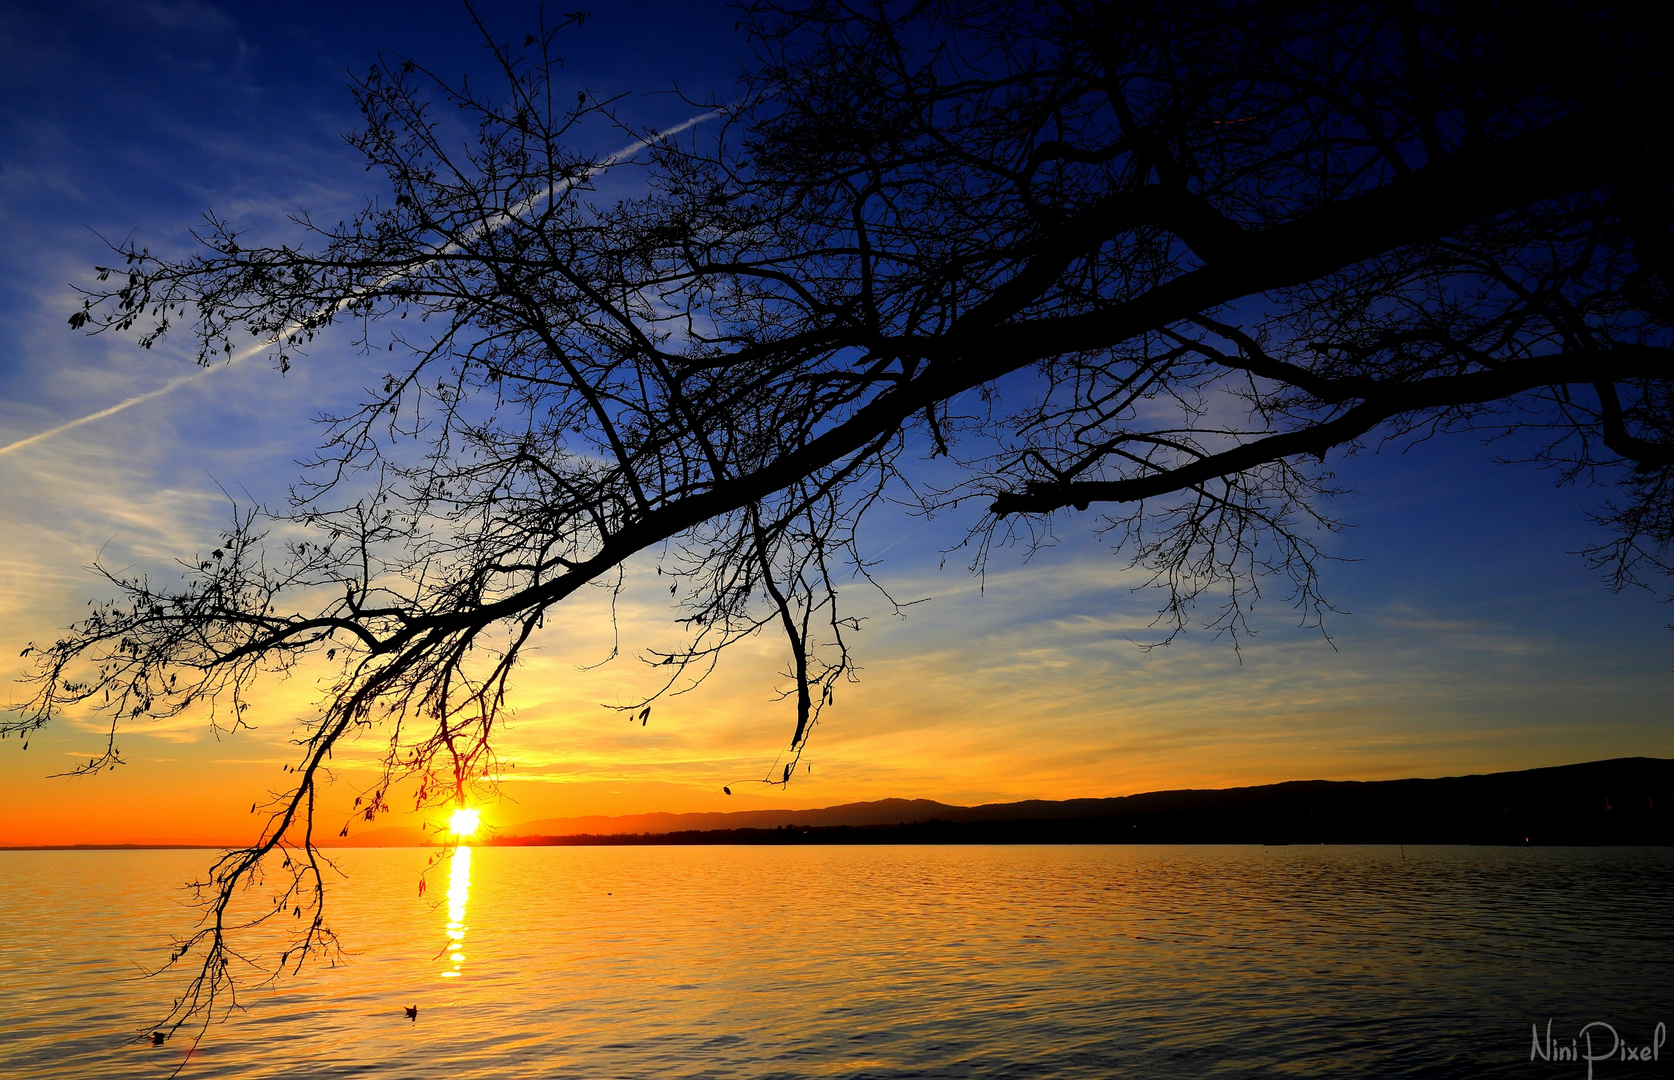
pixel 1474 639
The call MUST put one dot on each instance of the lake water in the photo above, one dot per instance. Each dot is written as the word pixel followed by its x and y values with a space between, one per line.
pixel 877 962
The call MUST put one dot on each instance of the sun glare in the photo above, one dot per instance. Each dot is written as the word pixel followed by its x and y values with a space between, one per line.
pixel 463 822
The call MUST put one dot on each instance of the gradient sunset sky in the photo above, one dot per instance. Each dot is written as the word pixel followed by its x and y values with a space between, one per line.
pixel 1473 638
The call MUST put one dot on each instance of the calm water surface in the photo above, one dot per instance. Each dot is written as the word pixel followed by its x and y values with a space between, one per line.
pixel 877 962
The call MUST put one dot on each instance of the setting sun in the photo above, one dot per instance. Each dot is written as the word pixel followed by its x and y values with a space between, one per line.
pixel 463 822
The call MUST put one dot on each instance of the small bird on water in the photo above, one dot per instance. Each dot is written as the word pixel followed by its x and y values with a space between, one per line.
pixel 157 1038
pixel 412 1013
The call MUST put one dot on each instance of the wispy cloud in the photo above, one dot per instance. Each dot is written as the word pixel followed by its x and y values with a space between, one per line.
pixel 496 222
pixel 121 406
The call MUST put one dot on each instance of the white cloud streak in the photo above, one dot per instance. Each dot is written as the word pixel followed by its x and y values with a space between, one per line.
pixel 490 225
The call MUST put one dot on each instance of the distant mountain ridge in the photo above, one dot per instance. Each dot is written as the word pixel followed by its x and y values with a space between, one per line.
pixel 880 812
pixel 1622 800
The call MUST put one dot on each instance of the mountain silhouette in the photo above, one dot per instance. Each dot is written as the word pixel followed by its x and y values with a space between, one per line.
pixel 1620 801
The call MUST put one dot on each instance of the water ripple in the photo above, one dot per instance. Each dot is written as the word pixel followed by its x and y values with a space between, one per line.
pixel 875 962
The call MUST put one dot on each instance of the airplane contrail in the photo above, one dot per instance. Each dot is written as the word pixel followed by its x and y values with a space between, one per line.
pixel 490 225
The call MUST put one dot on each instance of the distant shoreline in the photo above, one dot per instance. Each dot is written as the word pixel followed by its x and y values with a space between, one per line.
pixel 1615 803
pixel 115 847
pixel 803 840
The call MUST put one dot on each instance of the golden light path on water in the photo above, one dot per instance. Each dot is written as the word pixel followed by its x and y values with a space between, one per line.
pixel 459 892
pixel 463 824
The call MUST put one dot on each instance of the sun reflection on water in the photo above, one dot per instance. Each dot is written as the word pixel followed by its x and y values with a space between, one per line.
pixel 459 891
